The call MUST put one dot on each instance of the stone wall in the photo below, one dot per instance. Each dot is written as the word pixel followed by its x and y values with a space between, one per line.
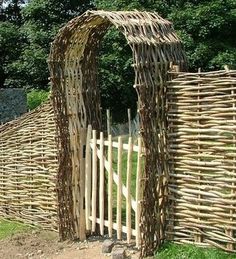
pixel 13 103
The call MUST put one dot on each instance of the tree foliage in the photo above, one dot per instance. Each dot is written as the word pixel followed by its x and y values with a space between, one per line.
pixel 11 46
pixel 116 76
pixel 32 28
pixel 11 11
pixel 207 28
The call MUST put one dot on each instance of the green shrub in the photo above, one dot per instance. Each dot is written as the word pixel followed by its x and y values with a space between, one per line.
pixel 36 97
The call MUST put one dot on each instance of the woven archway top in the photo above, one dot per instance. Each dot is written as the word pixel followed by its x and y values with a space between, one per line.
pixel 137 27
pixel 75 47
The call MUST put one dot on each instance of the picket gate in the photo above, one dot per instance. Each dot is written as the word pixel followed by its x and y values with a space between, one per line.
pixel 113 186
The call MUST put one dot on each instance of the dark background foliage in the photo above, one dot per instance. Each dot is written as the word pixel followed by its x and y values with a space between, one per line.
pixel 207 28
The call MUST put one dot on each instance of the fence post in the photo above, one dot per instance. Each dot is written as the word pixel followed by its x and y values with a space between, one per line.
pixel 138 176
pixel 119 188
pixel 108 122
pixel 94 177
pixel 101 185
pixel 110 181
pixel 88 179
pixel 128 185
pixel 229 231
pixel 82 225
pixel 129 122
pixel 198 237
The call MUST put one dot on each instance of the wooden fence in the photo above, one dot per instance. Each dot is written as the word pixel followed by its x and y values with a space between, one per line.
pixel 201 152
pixel 28 168
pixel 202 143
pixel 121 165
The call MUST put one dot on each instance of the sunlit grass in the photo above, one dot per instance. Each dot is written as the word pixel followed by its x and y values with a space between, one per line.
pixel 9 228
pixel 176 251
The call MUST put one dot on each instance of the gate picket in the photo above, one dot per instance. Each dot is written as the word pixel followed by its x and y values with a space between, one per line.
pixel 119 188
pixel 137 194
pixel 101 185
pixel 128 185
pixel 110 180
pixel 94 180
pixel 88 179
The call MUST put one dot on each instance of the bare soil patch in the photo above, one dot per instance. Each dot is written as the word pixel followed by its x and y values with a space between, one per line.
pixel 45 245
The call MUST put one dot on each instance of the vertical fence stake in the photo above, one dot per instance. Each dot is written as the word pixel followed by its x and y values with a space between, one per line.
pixel 88 179
pixel 129 121
pixel 230 232
pixel 101 187
pixel 232 211
pixel 108 122
pixel 110 180
pixel 137 195
pixel 82 222
pixel 119 188
pixel 75 180
pixel 198 237
pixel 94 180
pixel 128 186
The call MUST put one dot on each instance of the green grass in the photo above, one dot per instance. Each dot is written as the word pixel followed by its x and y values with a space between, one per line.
pixel 9 228
pixel 124 177
pixel 124 169
pixel 175 251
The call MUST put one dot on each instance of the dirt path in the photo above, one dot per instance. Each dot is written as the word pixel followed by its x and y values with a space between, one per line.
pixel 45 245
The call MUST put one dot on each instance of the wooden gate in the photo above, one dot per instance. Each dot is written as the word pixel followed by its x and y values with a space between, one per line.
pixel 112 185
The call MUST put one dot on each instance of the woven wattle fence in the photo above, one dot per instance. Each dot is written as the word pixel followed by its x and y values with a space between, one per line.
pixel 187 127
pixel 28 168
pixel 202 137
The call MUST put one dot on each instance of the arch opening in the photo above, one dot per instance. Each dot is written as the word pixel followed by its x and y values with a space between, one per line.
pixel 116 79
pixel 73 68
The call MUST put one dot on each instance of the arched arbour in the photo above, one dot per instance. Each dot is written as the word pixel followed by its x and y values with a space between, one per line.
pixel 73 68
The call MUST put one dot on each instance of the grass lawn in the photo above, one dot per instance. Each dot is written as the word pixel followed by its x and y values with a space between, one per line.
pixel 8 228
pixel 176 251
pixel 124 176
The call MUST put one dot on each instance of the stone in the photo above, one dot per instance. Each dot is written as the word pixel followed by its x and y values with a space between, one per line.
pixel 118 253
pixel 13 104
pixel 34 232
pixel 39 252
pixel 107 246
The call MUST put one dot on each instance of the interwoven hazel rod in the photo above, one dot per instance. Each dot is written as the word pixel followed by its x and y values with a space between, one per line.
pixel 73 68
pixel 202 192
